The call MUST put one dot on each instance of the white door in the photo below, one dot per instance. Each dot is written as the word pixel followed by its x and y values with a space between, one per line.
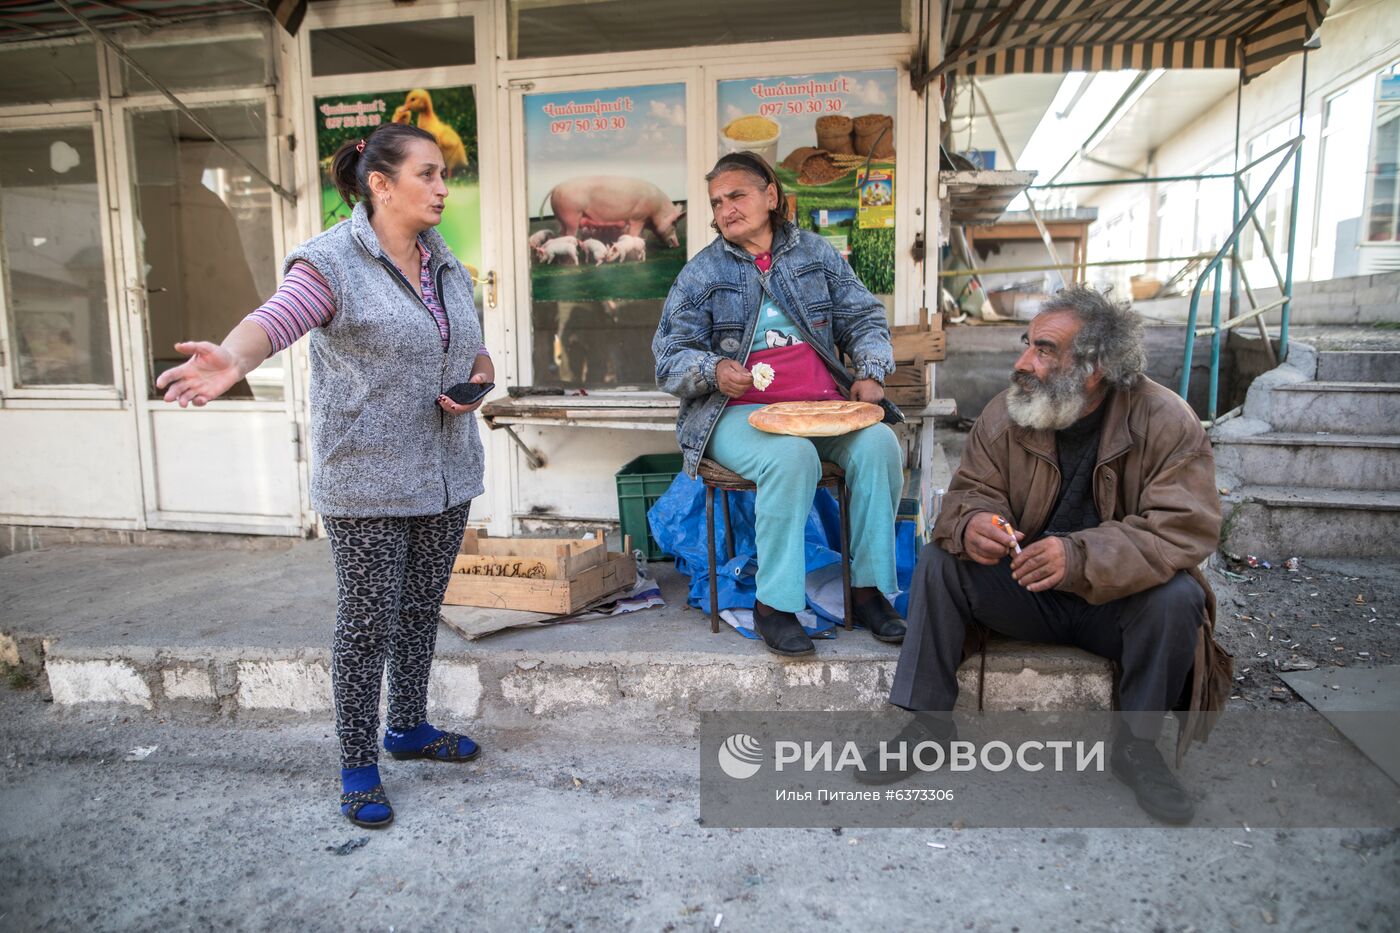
pixel 430 65
pixel 203 236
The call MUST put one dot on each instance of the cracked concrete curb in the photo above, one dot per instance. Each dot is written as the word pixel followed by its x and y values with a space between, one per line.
pixel 639 692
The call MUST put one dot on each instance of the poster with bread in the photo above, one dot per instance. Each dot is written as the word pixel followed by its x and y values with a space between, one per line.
pixel 830 137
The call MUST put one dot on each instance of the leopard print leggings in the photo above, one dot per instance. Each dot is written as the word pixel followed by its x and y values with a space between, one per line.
pixel 391 574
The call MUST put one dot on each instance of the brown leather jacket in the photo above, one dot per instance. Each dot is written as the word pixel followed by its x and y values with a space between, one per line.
pixel 1154 485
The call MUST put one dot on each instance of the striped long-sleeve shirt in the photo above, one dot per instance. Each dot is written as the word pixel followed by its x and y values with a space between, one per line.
pixel 304 301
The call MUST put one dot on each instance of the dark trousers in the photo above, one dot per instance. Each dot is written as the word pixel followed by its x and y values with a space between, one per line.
pixel 391 575
pixel 1151 635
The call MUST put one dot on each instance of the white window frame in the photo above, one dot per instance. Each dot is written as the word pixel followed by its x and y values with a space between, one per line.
pixel 11 393
pixel 1363 241
pixel 137 344
pixel 736 53
pixel 77 104
pixel 517 211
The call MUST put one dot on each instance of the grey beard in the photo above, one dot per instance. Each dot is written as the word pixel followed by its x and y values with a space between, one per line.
pixel 1052 405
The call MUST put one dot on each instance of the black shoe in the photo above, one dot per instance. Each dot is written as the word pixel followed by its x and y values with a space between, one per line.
pixel 876 614
pixel 1138 764
pixel 781 631
pixel 923 728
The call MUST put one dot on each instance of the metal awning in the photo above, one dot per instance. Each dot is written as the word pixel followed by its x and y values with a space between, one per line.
pixel 26 20
pixel 980 197
pixel 987 37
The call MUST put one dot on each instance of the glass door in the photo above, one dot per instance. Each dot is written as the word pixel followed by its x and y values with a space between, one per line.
pixel 428 66
pixel 204 252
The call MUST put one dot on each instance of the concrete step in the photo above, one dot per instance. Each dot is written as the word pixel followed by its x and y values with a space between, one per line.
pixel 174 632
pixel 1356 407
pixel 1278 522
pixel 1359 365
pixel 1341 461
pixel 644 692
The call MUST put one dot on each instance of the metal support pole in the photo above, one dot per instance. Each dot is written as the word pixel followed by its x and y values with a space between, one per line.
pixel 1259 321
pixel 131 63
pixel 1214 388
pixel 1145 180
pixel 531 457
pixel 1035 215
pixel 1235 201
pixel 1293 218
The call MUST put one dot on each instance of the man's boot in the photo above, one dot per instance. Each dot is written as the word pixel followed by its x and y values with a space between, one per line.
pixel 1138 764
pixel 781 631
pixel 924 727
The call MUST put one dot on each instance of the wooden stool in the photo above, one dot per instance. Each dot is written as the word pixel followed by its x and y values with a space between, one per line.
pixel 715 477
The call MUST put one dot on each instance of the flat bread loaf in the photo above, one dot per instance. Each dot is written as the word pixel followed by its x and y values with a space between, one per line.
pixel 816 419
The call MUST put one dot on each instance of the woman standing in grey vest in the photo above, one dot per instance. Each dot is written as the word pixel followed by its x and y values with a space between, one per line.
pixel 395 462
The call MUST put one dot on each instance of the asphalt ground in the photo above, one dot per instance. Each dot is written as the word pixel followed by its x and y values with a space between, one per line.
pixel 226 825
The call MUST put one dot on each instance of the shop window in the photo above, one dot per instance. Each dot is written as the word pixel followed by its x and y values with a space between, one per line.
pixel 54 263
pixel 206 62
pixel 544 28
pixel 205 226
pixel 1382 216
pixel 44 73
pixel 606 180
pixel 449 113
pixel 830 137
pixel 394 46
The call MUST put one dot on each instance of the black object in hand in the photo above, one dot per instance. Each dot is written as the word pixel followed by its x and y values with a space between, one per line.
pixel 469 393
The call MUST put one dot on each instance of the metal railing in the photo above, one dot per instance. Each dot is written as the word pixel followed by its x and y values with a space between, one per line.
pixel 1228 251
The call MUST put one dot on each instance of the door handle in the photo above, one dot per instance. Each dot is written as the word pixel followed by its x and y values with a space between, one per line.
pixel 490 284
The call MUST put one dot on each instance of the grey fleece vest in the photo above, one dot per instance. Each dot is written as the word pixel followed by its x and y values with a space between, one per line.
pixel 380 445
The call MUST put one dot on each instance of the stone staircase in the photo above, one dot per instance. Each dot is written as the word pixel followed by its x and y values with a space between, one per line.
pixel 1312 467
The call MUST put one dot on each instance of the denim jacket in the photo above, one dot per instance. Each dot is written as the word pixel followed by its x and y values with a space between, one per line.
pixel 712 311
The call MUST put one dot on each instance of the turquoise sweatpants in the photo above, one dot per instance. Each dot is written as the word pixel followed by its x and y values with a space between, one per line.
pixel 786 470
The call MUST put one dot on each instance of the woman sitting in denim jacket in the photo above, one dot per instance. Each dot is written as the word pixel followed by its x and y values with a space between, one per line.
pixel 769 292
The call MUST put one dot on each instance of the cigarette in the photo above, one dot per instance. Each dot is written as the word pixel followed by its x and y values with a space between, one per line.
pixel 1005 526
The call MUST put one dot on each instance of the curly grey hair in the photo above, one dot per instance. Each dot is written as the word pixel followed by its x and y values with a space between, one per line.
pixel 1110 334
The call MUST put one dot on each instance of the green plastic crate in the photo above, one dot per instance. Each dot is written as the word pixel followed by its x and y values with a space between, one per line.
pixel 639 484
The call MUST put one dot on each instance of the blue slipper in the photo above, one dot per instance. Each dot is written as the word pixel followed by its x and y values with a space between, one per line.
pixel 352 803
pixel 424 741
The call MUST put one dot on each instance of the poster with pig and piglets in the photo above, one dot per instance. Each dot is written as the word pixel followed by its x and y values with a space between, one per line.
pixel 606 185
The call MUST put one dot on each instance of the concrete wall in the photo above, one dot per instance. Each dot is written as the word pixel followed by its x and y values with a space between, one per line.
pixel 1356 300
pixel 980 359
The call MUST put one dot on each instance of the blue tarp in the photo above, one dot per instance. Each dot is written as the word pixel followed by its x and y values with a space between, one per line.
pixel 677 523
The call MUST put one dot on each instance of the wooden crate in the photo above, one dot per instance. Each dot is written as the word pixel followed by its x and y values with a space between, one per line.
pixel 535 574
pixel 916 347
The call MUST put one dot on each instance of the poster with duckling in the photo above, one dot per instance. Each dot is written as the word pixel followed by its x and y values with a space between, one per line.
pixel 830 138
pixel 449 113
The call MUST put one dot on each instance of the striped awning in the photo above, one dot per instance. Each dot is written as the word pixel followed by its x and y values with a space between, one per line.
pixel 987 37
pixel 23 20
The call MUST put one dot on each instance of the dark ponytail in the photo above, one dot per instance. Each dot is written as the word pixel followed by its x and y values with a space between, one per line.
pixel 383 150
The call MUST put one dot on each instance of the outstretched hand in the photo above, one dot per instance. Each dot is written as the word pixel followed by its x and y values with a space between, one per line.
pixel 210 371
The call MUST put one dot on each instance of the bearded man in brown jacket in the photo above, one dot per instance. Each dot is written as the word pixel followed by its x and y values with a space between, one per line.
pixel 1108 481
